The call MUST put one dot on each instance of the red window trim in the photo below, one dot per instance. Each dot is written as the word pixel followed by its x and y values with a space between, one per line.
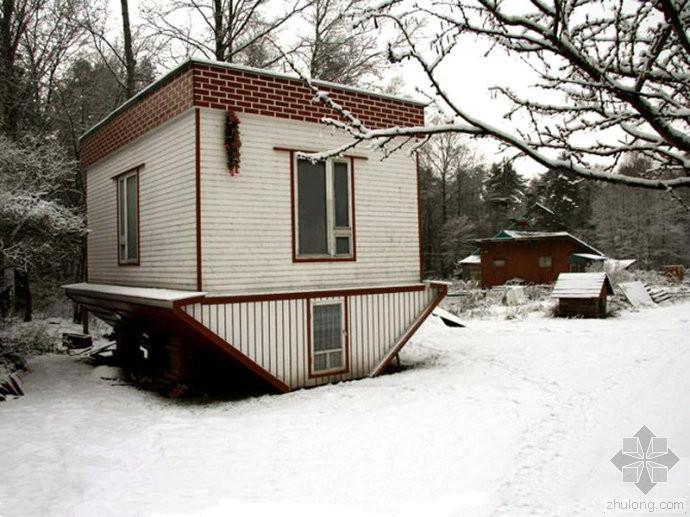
pixel 197 197
pixel 308 151
pixel 136 262
pixel 419 216
pixel 346 344
pixel 306 259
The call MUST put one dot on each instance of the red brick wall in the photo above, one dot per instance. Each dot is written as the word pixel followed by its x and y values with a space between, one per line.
pixel 247 92
pixel 152 110
pixel 210 86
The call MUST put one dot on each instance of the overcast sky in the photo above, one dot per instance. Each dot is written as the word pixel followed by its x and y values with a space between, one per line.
pixel 467 74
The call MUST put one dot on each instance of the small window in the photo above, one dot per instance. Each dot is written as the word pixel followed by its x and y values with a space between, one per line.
pixel 128 217
pixel 324 209
pixel 545 261
pixel 328 337
pixel 499 262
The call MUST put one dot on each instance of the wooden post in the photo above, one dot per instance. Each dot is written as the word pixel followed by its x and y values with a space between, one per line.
pixel 84 320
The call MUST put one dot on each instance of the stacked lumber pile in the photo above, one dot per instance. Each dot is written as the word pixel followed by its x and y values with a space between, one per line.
pixel 10 385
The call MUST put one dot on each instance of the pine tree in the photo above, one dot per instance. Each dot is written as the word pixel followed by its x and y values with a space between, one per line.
pixel 562 201
pixel 505 192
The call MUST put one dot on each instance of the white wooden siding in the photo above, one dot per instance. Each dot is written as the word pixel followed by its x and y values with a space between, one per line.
pixel 246 219
pixel 166 210
pixel 273 333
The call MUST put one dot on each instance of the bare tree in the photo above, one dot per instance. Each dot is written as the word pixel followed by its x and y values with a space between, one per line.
pixel 641 224
pixel 333 49
pixel 129 58
pixel 36 37
pixel 12 21
pixel 445 155
pixel 130 62
pixel 224 30
pixel 616 71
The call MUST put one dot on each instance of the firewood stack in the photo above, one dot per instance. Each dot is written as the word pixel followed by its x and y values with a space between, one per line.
pixel 10 385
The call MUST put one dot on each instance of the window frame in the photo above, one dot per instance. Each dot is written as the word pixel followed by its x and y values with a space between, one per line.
pixel 542 261
pixel 122 237
pixel 343 302
pixel 332 232
pixel 503 264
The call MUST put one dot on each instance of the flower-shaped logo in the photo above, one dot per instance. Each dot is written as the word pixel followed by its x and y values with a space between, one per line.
pixel 645 460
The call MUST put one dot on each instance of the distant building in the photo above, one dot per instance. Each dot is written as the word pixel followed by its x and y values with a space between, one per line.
pixel 533 257
pixel 471 267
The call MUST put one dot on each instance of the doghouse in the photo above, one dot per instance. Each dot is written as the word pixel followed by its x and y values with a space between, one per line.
pixel 582 294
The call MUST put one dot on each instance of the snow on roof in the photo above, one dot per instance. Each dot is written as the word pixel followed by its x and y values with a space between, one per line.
pixel 527 235
pixel 590 256
pixel 141 295
pixel 448 318
pixel 471 259
pixel 580 285
pixel 544 208
pixel 524 234
pixel 615 265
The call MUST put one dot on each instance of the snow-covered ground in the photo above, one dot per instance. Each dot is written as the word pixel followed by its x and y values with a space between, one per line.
pixel 499 418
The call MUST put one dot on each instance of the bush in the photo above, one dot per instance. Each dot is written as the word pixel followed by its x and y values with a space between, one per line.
pixel 19 341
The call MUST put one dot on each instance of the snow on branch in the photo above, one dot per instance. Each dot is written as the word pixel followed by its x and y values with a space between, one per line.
pixel 38 221
pixel 616 73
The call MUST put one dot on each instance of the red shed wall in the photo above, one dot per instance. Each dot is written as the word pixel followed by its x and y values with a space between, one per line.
pixel 522 260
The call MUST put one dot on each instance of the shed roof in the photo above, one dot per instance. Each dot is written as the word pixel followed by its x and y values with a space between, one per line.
pixel 522 235
pixel 581 285
pixel 471 259
pixel 590 256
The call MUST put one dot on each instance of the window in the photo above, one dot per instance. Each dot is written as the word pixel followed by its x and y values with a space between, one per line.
pixel 328 337
pixel 128 217
pixel 324 209
pixel 499 262
pixel 545 261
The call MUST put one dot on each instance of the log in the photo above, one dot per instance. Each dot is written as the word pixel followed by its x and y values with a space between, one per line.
pixel 16 384
pixel 75 341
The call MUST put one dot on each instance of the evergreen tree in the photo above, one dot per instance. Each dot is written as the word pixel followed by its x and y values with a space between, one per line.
pixel 562 202
pixel 504 191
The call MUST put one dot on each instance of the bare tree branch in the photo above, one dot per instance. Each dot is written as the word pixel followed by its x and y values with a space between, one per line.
pixel 613 73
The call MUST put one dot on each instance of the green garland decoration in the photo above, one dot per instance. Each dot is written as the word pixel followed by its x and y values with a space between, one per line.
pixel 232 143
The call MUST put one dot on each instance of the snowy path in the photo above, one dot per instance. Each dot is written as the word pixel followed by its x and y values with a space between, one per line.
pixel 500 418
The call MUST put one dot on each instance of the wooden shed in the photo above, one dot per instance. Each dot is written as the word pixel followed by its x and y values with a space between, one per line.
pixel 471 267
pixel 533 256
pixel 299 273
pixel 582 294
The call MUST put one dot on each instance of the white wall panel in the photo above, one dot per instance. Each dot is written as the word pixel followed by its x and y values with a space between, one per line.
pixel 166 204
pixel 246 219
pixel 273 333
